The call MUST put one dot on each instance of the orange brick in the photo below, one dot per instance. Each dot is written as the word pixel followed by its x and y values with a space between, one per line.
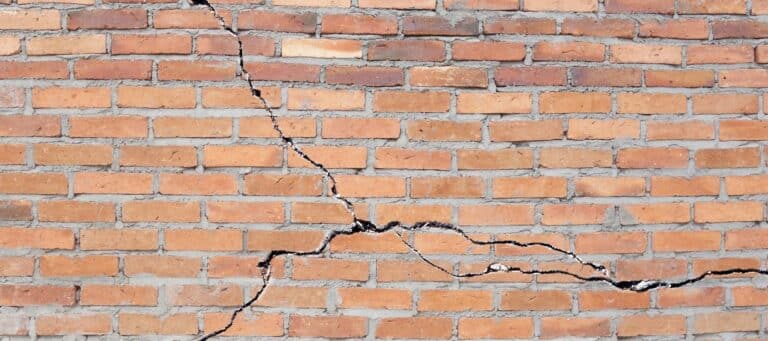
pixel 609 186
pixel 118 239
pixel 532 187
pixel 611 242
pixel 540 130
pixel 455 300
pixel 244 212
pixel 67 44
pixel 242 156
pixel 118 295
pixel 60 97
pixel 108 126
pixel 646 54
pixel 690 297
pixel 192 127
pixel 728 158
pixel 73 154
pixel 158 156
pixel 602 129
pixel 82 266
pixel 155 97
pixel 720 322
pixel 37 238
pixel 686 130
pixel 228 295
pixel 448 76
pixel 637 103
pixel 412 159
pixel 82 324
pixel 493 103
pixel 161 266
pixel 330 269
pixel 112 183
pixel 17 266
pixel 496 328
pixel 414 328
pixel 143 324
pixel 642 325
pixel 294 296
pixel 576 214
pixel 507 158
pixel 724 103
pixel 544 300
pixel 680 186
pixel 559 6
pixel 719 54
pixel 602 300
pixel 76 211
pixel 151 44
pixel 681 241
pixel 656 213
pixel 370 128
pixel 360 186
pixel 331 157
pixel 569 51
pixel 283 185
pixel 30 19
pixel 717 212
pixel 575 158
pixel 328 326
pixel 284 240
pixel 559 327
pixel 496 215
pixel 161 211
pixel 204 240
pixel 654 157
pixel 30 125
pixel 33 183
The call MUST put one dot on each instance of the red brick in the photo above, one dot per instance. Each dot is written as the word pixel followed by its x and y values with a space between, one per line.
pixel 321 48
pixel 740 29
pixel 631 6
pixel 531 26
pixel 719 54
pixel 27 295
pixel 720 322
pixel 276 21
pixel 189 18
pixel 364 76
pixel 569 51
pixel 621 28
pixel 574 102
pixel 589 76
pixel 603 300
pixel 642 325
pixel 358 24
pixel 690 297
pixel 488 50
pixel 675 29
pixel 109 19
pixel 151 44
pixel 196 70
pixel 480 4
pixel 30 19
pixel 437 26
pixel 416 50
pixel 217 44
pixel 539 76
pixel 292 72
pixel 33 70
pixel 444 76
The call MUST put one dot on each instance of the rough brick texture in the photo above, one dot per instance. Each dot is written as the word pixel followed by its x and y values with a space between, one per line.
pixel 141 184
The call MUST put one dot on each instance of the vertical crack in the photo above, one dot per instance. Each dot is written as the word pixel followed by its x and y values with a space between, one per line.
pixel 364 226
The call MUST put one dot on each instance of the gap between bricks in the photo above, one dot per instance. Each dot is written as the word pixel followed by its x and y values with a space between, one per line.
pixel 365 226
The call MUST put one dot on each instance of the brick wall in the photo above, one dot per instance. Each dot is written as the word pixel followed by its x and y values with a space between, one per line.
pixel 145 184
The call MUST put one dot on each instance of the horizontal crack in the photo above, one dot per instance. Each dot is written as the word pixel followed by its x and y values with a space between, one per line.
pixel 364 226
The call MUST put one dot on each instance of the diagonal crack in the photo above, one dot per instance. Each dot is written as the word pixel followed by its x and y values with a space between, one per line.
pixel 364 226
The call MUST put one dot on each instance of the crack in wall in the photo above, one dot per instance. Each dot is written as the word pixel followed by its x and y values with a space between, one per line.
pixel 364 226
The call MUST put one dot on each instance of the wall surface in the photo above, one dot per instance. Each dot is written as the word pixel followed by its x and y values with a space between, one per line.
pixel 143 183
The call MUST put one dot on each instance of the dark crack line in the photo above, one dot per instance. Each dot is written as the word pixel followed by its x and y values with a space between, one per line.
pixel 364 226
